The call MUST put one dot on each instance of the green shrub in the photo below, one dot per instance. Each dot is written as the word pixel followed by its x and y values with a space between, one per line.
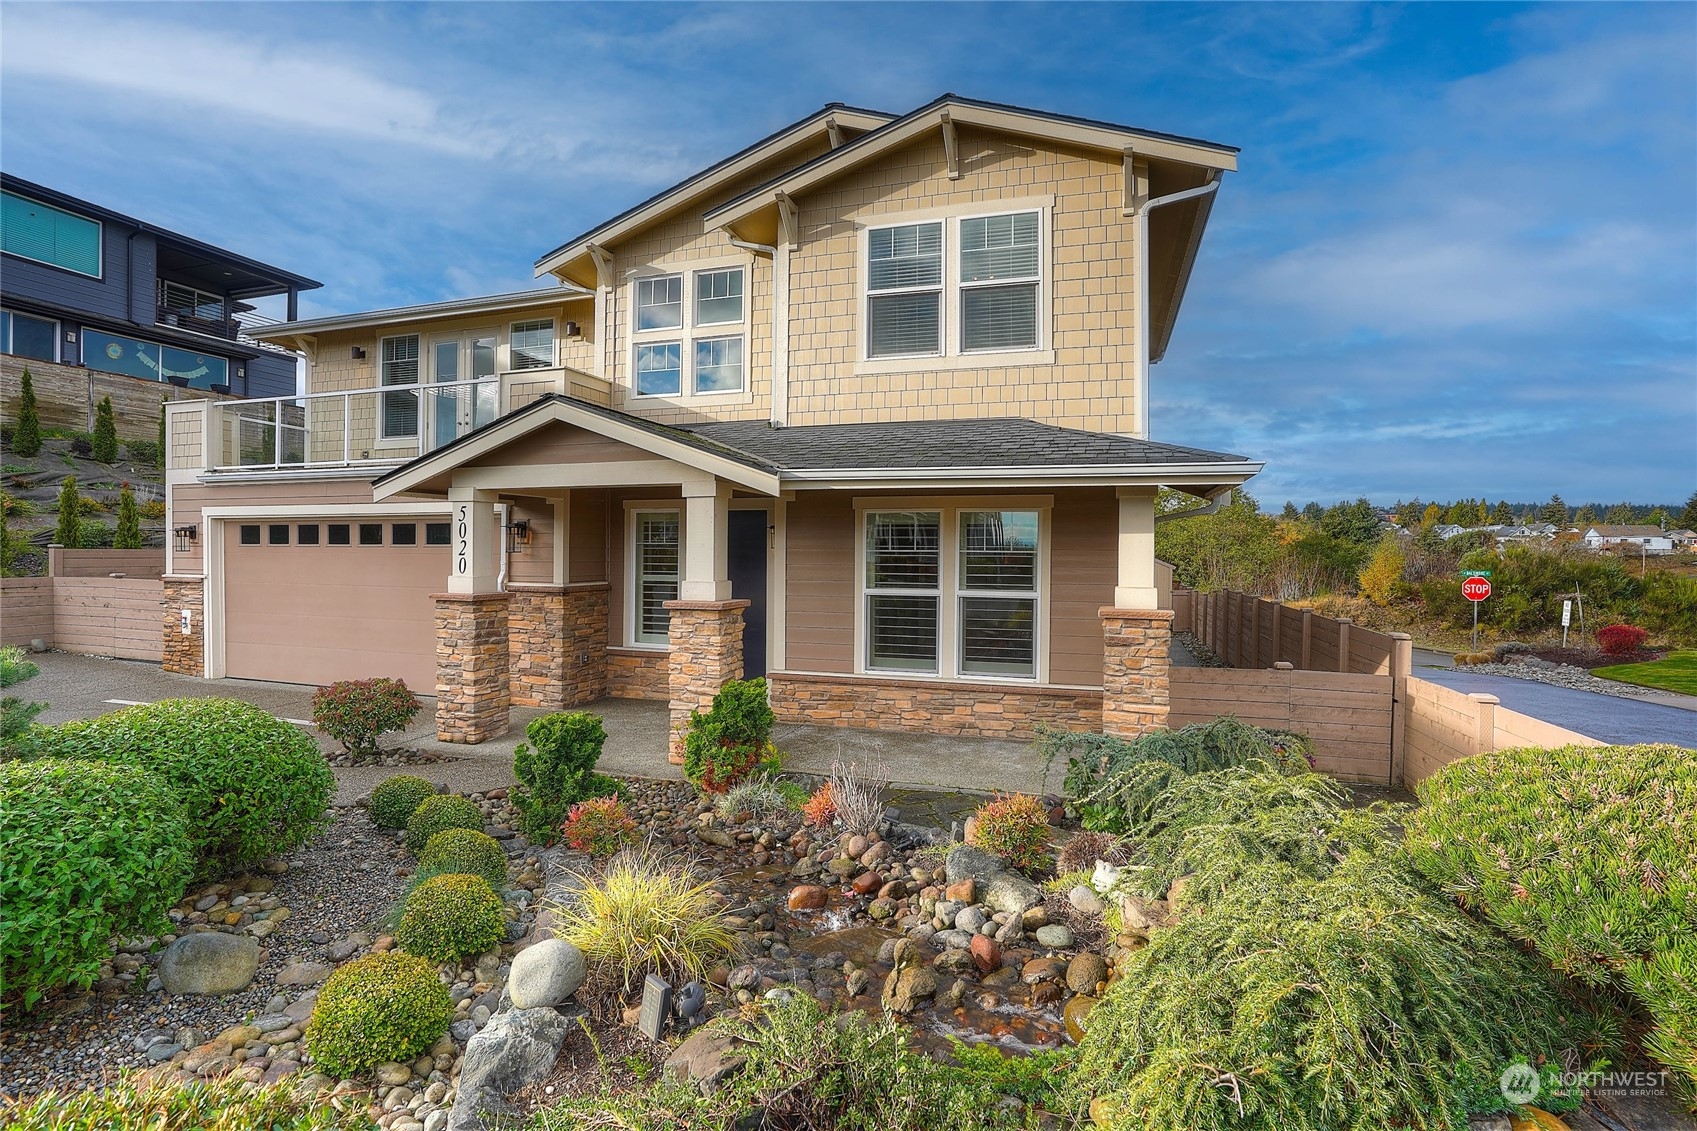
pixel 556 769
pixel 451 916
pixel 127 536
pixel 90 851
pixel 599 826
pixel 732 740
pixel 143 452
pixel 137 1101
pixel 68 530
pixel 1114 782
pixel 758 797
pixel 357 712
pixel 806 1068
pixel 1014 827
pixel 383 1007
pixel 394 798
pixel 26 437
pixel 1360 1000
pixel 440 813
pixel 251 785
pixel 1590 855
pixel 465 851
pixel 15 667
pixel 104 444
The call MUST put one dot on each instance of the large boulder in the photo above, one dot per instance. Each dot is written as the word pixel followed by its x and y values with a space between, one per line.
pixel 910 982
pixel 516 1048
pixel 968 863
pixel 545 974
pixel 1010 892
pixel 707 1058
pixel 210 962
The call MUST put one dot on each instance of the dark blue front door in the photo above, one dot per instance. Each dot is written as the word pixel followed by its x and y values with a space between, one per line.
pixel 747 562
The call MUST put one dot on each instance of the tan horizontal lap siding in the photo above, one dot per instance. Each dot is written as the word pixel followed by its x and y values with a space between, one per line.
pixel 1083 565
pixel 1348 717
pixel 108 616
pixel 560 443
pixel 820 578
pixel 188 500
pixel 589 554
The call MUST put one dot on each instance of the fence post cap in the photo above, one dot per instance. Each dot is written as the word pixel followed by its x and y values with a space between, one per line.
pixel 1481 697
pixel 1344 620
pixel 1399 636
pixel 1284 666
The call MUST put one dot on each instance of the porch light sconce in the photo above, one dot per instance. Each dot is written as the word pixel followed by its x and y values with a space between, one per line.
pixel 184 536
pixel 518 535
pixel 359 353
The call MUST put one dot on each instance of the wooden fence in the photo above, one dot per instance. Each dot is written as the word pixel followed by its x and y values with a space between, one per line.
pixel 1348 716
pixel 66 396
pixel 80 607
pixel 1252 632
pixel 1438 724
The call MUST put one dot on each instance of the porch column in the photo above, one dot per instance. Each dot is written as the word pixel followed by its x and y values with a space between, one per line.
pixel 1136 632
pixel 557 644
pixel 473 691
pixel 706 625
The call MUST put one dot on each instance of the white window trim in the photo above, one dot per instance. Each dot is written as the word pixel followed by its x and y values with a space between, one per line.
pixel 58 329
pixel 691 331
pixel 948 508
pixel 384 439
pixel 506 347
pixel 100 239
pixel 952 356
pixel 632 601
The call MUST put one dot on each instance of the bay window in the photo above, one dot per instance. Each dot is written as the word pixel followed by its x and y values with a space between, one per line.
pixel 952 592
pixel 689 348
pixel 654 568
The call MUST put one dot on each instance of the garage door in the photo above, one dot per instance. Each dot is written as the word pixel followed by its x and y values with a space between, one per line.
pixel 317 601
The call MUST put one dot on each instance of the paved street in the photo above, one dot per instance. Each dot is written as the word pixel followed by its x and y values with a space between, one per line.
pixel 1607 717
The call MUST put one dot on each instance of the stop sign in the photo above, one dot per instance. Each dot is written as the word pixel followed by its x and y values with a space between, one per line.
pixel 1476 588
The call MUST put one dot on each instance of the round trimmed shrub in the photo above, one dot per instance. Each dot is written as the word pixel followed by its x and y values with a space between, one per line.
pixel 393 799
pixel 378 1008
pixel 465 851
pixel 90 851
pixel 449 917
pixel 439 814
pixel 251 785
pixel 1015 827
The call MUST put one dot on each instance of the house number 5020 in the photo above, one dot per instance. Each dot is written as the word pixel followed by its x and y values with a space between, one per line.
pixel 462 539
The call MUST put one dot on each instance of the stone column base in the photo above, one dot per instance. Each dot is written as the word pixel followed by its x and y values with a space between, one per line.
pixel 1135 667
pixel 473 690
pixel 185 652
pixel 557 645
pixel 706 653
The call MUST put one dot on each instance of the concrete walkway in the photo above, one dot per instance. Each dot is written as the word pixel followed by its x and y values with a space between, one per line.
pixel 79 687
pixel 1612 718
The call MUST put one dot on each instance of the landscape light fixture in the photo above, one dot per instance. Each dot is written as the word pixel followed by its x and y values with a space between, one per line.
pixel 184 536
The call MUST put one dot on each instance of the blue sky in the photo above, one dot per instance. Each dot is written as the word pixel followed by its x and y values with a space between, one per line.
pixel 1460 258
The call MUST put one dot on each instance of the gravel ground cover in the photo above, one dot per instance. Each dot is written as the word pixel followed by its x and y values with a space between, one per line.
pixel 1563 675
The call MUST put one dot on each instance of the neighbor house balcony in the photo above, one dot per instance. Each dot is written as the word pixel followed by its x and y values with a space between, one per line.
pixel 371 427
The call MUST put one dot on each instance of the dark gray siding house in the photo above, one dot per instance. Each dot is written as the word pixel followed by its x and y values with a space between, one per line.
pixel 84 285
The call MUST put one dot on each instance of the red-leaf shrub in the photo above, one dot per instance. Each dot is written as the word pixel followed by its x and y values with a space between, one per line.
pixel 599 826
pixel 356 712
pixel 1621 639
pixel 1014 827
pixel 821 808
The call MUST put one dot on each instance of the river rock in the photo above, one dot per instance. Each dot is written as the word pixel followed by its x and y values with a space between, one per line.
pixel 209 963
pixel 1084 899
pixel 964 892
pixel 516 1048
pixel 1084 972
pixel 302 974
pixel 910 982
pixel 1140 916
pixel 545 974
pixel 971 918
pixel 953 962
pixel 986 953
pixel 1055 936
pixel 1075 1014
pixel 807 897
pixel 954 940
pixel 1041 970
pixel 866 883
pixel 1008 892
pixel 707 1058
pixel 968 863
pixel 392 1073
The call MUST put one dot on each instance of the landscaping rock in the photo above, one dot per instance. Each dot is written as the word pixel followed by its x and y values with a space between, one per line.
pixel 910 982
pixel 302 974
pixel 1008 892
pixel 964 892
pixel 516 1048
pixel 209 963
pixel 1075 1015
pixel 971 918
pixel 1084 899
pixel 1140 916
pixel 968 863
pixel 545 974
pixel 707 1058
pixel 986 953
pixel 1054 936
pixel 1085 972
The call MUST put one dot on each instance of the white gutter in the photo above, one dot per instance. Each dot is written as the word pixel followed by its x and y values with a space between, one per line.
pixel 1212 507
pixel 504 511
pixel 1237 471
pixel 780 409
pixel 1140 376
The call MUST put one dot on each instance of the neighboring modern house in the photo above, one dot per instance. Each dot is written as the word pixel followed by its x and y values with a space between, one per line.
pixel 1643 538
pixel 82 285
pixel 863 408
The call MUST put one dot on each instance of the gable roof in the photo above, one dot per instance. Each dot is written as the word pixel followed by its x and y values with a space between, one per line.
pixel 284 332
pixel 1626 530
pixel 713 177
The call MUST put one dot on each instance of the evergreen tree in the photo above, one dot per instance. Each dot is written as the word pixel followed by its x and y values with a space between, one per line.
pixel 1553 512
pixel 1688 516
pixel 1460 514
pixel 1503 515
pixel 1356 522
pixel 1658 517
pixel 1585 516
pixel 69 531
pixel 105 444
pixel 1313 512
pixel 1620 514
pixel 128 534
pixel 162 403
pixel 26 438
pixel 1290 513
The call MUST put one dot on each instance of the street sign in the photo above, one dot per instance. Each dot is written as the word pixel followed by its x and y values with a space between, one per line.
pixel 1566 613
pixel 1475 573
pixel 1476 588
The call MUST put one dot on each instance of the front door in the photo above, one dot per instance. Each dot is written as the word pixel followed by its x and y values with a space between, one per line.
pixel 747 561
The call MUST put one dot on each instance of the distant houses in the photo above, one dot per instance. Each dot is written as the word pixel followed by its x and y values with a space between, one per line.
pixel 1643 538
pixel 1504 534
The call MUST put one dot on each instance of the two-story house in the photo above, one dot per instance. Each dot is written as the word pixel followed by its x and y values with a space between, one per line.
pixel 84 286
pixel 863 408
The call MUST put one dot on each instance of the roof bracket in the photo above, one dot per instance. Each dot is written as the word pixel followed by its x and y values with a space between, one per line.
pixel 1136 182
pixel 951 147
pixel 603 266
pixel 833 132
pixel 789 226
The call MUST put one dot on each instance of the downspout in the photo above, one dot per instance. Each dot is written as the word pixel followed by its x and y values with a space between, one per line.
pixel 779 413
pixel 505 514
pixel 1212 507
pixel 1140 379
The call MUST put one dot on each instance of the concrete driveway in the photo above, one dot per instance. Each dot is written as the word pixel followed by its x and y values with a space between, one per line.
pixel 80 687
pixel 1611 718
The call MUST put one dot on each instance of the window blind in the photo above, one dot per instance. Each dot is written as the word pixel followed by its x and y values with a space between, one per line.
pixel 906 263
pixel 531 344
pixel 656 574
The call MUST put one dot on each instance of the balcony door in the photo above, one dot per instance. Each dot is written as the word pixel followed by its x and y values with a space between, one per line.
pixel 461 408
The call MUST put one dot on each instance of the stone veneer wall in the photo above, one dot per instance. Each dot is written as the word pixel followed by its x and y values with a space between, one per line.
pixel 184 653
pixel 1135 670
pixel 976 710
pixel 557 644
pixel 633 674
pixel 706 653
pixel 473 688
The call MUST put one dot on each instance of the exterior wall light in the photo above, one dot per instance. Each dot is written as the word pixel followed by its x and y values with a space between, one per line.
pixel 184 536
pixel 359 353
pixel 518 536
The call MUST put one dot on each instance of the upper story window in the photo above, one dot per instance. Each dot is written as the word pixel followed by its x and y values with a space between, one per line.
pixel 49 235
pixel 531 344
pixel 399 366
pixel 23 336
pixel 983 274
pixel 693 348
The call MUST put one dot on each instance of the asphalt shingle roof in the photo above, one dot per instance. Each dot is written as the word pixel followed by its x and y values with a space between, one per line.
pixel 920 444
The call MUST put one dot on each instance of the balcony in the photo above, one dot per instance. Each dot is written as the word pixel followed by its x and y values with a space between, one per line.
pixel 198 321
pixel 373 427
